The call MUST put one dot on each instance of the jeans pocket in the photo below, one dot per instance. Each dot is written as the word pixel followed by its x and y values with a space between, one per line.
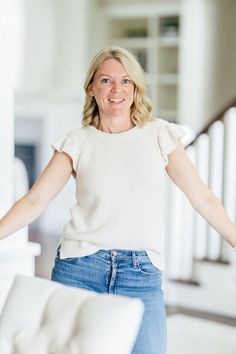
pixel 69 259
pixel 73 260
pixel 145 266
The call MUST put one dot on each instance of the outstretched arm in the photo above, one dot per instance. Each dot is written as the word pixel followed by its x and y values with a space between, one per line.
pixel 184 174
pixel 32 204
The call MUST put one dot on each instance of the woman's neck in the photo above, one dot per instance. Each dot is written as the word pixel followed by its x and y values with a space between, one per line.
pixel 115 125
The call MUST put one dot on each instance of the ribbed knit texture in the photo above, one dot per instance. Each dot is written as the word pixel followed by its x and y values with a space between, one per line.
pixel 120 189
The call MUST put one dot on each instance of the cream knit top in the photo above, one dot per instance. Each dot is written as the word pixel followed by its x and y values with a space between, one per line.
pixel 120 189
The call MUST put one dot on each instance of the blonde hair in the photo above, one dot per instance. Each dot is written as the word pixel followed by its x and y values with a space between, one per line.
pixel 141 109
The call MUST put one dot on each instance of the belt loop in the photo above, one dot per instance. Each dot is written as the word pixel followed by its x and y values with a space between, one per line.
pixel 135 259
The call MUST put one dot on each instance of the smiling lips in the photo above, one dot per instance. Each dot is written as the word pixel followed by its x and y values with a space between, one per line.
pixel 116 100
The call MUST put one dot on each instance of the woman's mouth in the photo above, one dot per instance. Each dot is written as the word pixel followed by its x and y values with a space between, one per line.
pixel 116 100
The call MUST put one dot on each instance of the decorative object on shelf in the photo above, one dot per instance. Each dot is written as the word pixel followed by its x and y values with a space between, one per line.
pixel 169 27
pixel 136 32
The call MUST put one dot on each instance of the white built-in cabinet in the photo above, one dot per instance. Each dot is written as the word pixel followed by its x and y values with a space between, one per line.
pixel 154 39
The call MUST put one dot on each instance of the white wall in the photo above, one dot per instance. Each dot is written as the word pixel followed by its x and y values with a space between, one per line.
pixel 99 35
pixel 54 45
pixel 72 45
pixel 36 33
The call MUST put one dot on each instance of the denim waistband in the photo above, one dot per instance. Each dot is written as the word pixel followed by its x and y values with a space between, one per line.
pixel 120 253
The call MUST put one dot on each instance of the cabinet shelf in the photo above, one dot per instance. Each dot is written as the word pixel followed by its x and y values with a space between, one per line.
pixel 133 43
pixel 129 28
pixel 168 42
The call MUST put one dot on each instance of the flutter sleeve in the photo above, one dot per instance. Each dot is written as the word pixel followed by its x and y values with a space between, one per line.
pixel 169 135
pixel 70 144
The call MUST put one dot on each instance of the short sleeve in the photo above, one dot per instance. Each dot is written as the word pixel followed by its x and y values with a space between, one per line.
pixel 70 144
pixel 169 135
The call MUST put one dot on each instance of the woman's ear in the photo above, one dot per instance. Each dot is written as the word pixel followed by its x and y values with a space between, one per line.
pixel 90 90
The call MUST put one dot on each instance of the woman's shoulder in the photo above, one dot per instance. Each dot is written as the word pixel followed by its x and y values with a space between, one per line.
pixel 158 123
pixel 161 123
pixel 165 129
pixel 80 132
pixel 73 139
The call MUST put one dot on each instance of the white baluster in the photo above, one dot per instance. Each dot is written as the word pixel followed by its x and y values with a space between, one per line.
pixel 176 221
pixel 187 231
pixel 216 135
pixel 202 164
pixel 181 232
pixel 229 185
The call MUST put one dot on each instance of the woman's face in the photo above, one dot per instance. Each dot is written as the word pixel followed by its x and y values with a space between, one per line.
pixel 112 89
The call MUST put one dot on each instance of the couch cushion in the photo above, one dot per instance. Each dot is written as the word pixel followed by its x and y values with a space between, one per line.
pixel 43 317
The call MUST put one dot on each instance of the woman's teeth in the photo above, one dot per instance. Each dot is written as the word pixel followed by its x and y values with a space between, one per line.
pixel 116 99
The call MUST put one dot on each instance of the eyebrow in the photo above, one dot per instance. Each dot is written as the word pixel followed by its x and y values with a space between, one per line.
pixel 110 75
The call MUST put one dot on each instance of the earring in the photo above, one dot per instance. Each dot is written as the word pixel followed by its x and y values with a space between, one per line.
pixel 92 98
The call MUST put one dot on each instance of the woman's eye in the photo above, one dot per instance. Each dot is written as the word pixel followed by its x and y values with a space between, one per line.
pixel 127 81
pixel 105 81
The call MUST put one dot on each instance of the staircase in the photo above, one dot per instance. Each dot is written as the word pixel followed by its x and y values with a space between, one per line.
pixel 201 266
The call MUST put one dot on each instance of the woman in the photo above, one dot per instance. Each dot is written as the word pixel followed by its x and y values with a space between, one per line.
pixel 114 240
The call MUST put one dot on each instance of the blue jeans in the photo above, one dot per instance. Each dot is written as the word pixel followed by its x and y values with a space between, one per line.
pixel 122 272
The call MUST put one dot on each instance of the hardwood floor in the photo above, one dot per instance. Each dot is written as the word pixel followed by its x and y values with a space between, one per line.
pixel 191 335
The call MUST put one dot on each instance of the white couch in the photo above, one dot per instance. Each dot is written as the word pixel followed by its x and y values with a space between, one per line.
pixel 44 317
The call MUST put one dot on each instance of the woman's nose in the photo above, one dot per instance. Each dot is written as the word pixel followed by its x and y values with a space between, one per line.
pixel 116 87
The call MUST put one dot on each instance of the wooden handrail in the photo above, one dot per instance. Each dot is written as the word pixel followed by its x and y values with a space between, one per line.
pixel 218 116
